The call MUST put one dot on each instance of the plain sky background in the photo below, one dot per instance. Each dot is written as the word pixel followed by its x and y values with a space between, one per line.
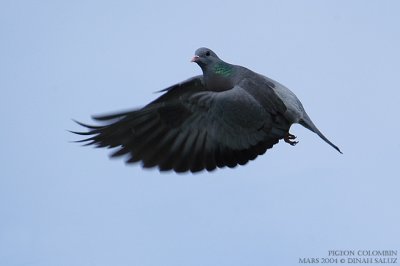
pixel 62 204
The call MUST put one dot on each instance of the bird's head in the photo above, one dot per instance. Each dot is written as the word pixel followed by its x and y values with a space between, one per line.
pixel 204 56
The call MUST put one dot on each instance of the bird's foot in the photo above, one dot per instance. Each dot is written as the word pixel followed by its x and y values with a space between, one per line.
pixel 289 138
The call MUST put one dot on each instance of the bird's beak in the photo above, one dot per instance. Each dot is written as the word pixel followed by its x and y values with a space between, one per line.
pixel 195 58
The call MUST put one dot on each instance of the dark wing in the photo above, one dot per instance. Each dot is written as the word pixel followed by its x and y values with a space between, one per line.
pixel 191 129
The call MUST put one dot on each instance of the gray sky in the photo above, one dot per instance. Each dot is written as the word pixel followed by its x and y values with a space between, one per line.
pixel 62 204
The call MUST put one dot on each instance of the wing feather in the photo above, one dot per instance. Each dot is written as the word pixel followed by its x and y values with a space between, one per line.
pixel 190 128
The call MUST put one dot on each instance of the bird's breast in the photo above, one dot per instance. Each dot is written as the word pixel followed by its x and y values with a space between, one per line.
pixel 218 83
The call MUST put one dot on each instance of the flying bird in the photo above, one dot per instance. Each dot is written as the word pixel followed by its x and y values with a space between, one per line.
pixel 225 117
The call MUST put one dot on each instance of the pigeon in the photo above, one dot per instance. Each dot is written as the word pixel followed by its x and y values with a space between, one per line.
pixel 223 118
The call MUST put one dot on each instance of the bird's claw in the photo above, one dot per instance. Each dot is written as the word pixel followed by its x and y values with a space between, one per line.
pixel 289 138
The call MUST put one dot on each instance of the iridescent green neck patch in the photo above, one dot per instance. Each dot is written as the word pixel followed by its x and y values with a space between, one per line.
pixel 223 69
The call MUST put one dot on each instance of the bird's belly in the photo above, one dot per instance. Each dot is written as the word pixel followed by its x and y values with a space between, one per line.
pixel 295 109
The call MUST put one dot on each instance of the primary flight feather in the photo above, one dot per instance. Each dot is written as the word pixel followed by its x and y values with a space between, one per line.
pixel 225 117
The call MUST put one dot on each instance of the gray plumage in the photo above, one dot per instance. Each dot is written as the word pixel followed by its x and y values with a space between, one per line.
pixel 225 117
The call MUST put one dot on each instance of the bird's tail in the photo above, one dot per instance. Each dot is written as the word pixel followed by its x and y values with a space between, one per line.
pixel 307 123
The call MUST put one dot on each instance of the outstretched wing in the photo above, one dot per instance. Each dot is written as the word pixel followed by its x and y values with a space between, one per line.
pixel 191 129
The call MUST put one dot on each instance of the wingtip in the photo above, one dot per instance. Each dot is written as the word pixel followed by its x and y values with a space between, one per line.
pixel 82 142
pixel 160 91
pixel 86 125
pixel 81 133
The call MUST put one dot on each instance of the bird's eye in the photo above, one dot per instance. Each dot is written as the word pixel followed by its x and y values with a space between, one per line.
pixel 208 53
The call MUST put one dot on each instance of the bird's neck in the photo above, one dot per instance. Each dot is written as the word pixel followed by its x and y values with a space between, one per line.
pixel 218 76
pixel 223 69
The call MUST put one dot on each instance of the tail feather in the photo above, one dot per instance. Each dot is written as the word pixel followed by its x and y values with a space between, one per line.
pixel 307 123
